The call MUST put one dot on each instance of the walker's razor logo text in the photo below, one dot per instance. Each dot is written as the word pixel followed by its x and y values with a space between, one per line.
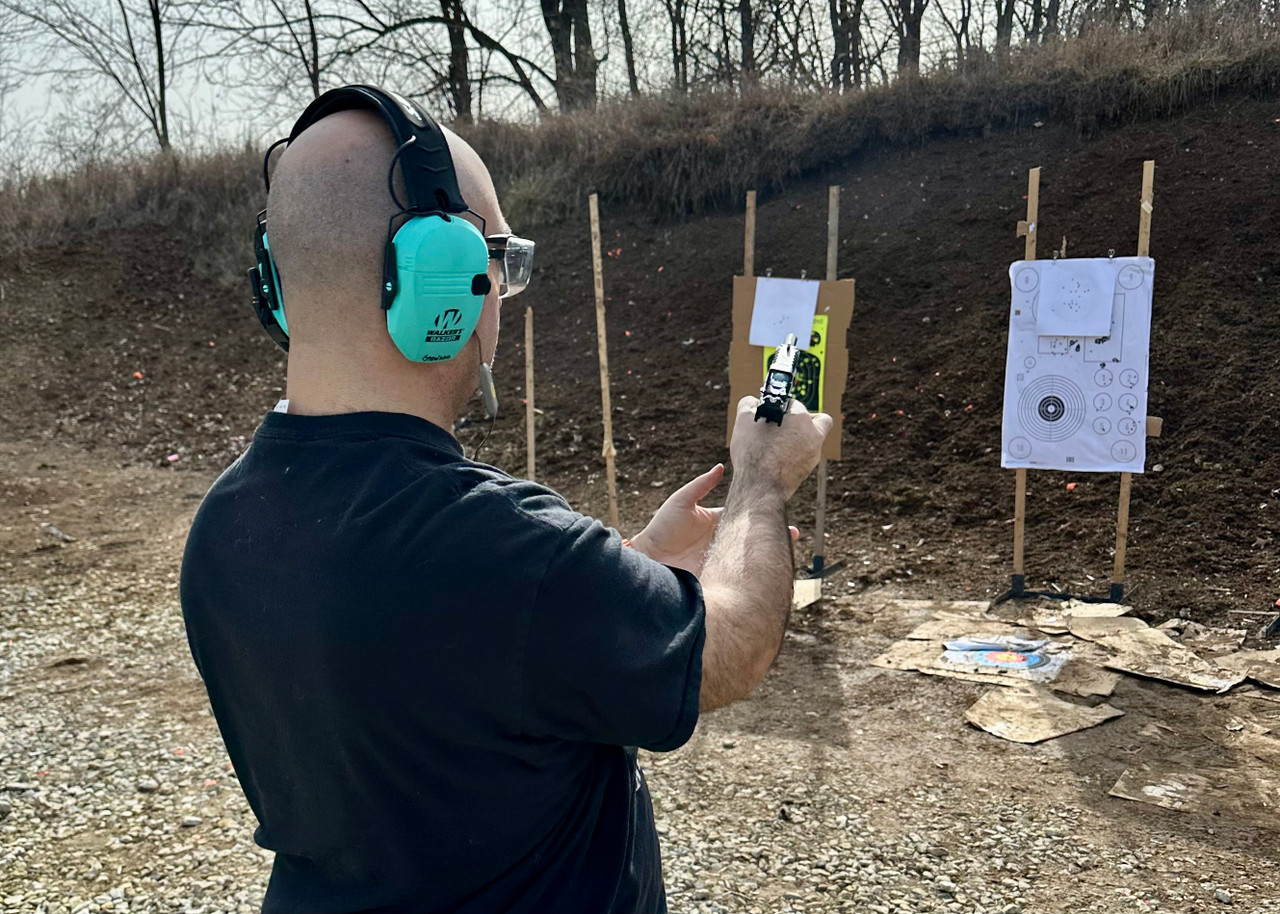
pixel 448 327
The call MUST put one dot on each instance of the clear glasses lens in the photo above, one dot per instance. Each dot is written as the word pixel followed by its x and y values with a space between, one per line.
pixel 517 266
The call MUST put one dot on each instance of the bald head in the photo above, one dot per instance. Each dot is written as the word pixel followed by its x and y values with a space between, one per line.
pixel 327 218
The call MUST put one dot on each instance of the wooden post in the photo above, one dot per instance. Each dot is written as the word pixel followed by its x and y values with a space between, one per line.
pixel 603 350
pixel 833 255
pixel 749 237
pixel 1031 230
pixel 530 461
pixel 1126 479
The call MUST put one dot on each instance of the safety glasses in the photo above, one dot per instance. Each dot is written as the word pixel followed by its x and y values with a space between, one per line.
pixel 515 262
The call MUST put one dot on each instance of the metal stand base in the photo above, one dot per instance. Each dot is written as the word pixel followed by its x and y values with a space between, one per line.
pixel 1017 591
pixel 820 569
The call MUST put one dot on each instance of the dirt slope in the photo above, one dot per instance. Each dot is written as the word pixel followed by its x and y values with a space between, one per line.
pixel 927 233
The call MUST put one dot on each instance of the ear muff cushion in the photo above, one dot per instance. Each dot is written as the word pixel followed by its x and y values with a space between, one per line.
pixel 274 279
pixel 435 310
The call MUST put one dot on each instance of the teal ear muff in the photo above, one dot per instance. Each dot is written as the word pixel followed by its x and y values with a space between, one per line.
pixel 435 279
pixel 264 280
pixel 277 301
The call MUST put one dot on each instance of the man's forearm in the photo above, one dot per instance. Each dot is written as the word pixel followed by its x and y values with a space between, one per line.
pixel 747 585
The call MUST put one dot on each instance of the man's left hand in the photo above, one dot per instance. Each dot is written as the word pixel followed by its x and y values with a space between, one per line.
pixel 680 533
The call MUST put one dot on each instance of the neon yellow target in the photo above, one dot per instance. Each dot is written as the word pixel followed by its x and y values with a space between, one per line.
pixel 810 366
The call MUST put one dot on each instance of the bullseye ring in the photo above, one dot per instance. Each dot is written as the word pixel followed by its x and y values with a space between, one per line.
pixel 1051 408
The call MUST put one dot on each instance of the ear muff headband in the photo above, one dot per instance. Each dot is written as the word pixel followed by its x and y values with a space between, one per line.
pixel 426 163
pixel 435 266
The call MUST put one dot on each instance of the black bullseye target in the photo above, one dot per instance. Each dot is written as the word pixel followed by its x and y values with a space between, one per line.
pixel 1051 408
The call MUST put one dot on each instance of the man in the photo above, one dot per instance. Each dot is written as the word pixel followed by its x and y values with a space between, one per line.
pixel 426 672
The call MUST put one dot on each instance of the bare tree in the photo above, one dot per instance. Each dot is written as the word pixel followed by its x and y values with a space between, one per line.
pixel 960 27
pixel 677 13
pixel 575 58
pixel 459 74
pixel 128 45
pixel 393 41
pixel 628 47
pixel 1004 26
pixel 271 44
pixel 846 32
pixel 905 17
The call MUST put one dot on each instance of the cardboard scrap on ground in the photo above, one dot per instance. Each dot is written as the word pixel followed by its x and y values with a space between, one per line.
pixel 946 626
pixel 1085 679
pixel 1249 794
pixel 909 655
pixel 1054 617
pixel 1079 609
pixel 1052 620
pixel 1091 628
pixel 1170 789
pixel 1260 666
pixel 1197 637
pixel 1032 715
pixel 952 607
pixel 1154 655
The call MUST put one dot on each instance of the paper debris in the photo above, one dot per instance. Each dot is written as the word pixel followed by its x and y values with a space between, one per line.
pixel 1153 654
pixel 1199 637
pixel 1091 628
pixel 1050 620
pixel 1032 715
pixel 1172 790
pixel 1260 666
pixel 909 655
pixel 1246 793
pixel 995 643
pixel 1085 680
pixel 945 626
pixel 1079 609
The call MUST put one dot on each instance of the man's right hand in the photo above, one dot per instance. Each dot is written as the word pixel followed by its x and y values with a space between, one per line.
pixel 748 575
pixel 782 455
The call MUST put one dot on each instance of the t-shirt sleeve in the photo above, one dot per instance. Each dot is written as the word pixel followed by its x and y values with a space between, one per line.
pixel 614 652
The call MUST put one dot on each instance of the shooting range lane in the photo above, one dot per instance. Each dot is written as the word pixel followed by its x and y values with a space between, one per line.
pixel 1202 543
pixel 824 777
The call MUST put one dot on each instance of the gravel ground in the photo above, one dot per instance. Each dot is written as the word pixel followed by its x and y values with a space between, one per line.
pixel 838 787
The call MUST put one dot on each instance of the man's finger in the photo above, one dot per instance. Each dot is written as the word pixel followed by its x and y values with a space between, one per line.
pixel 700 487
pixel 823 423
pixel 795 533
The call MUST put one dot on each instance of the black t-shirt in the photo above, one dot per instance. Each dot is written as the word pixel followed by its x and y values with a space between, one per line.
pixel 426 672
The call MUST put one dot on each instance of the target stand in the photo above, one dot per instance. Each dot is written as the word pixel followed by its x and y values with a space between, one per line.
pixel 1056 407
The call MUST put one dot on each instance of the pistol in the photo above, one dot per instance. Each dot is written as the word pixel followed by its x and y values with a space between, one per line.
pixel 775 395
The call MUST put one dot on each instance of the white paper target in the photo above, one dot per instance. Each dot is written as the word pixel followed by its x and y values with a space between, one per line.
pixel 1077 400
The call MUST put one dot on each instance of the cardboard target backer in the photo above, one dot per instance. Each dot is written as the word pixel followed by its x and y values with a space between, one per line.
pixel 821 371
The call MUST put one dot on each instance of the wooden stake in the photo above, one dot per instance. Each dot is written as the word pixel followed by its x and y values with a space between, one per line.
pixel 1020 475
pixel 1145 208
pixel 1019 520
pixel 530 462
pixel 749 238
pixel 1126 479
pixel 603 350
pixel 833 254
